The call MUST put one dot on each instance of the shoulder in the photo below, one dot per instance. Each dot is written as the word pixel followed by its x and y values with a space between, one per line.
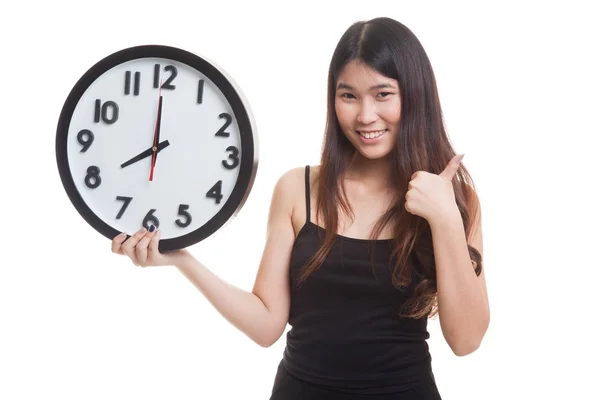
pixel 293 180
pixel 289 194
pixel 287 188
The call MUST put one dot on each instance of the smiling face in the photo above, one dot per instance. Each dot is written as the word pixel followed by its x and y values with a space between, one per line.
pixel 367 106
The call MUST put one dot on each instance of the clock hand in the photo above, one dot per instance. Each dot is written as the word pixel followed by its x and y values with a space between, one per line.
pixel 145 153
pixel 156 133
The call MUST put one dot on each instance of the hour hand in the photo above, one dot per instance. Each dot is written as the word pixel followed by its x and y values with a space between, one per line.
pixel 145 153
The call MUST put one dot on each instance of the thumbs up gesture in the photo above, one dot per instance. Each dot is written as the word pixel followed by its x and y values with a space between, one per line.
pixel 431 196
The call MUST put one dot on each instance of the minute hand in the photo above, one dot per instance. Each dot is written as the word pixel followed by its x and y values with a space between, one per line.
pixel 145 153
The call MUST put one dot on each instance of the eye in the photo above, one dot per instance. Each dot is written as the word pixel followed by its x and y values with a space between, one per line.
pixel 384 94
pixel 347 96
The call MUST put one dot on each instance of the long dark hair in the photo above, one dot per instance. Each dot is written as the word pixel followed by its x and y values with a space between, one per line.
pixel 393 50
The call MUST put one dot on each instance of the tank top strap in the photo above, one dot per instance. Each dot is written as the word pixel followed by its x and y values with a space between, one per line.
pixel 307 191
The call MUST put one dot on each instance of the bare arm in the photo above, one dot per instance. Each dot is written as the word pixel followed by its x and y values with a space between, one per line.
pixel 462 295
pixel 263 313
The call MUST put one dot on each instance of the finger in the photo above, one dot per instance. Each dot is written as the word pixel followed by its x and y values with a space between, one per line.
pixel 408 207
pixel 129 246
pixel 452 167
pixel 141 249
pixel 117 242
pixel 153 252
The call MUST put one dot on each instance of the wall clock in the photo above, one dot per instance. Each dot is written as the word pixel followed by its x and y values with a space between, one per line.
pixel 157 135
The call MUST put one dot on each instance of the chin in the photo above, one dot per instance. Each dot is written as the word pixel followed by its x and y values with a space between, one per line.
pixel 383 150
pixel 375 154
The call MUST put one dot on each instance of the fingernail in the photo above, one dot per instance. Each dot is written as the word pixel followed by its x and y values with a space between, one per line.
pixel 142 230
pixel 151 228
pixel 461 157
pixel 122 234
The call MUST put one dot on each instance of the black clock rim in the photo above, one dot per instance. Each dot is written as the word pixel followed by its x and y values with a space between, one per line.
pixel 248 162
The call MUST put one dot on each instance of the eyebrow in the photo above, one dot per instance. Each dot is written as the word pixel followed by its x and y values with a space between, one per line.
pixel 342 85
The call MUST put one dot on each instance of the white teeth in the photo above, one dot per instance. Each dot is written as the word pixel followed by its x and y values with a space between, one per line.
pixel 371 135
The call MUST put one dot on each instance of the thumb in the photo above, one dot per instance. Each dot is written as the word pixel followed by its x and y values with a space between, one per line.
pixel 452 167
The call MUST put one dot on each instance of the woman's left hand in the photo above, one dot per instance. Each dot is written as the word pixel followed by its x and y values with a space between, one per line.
pixel 431 196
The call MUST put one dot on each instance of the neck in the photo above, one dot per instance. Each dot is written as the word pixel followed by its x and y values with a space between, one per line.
pixel 373 173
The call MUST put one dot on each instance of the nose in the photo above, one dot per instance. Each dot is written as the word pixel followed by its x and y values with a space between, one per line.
pixel 367 113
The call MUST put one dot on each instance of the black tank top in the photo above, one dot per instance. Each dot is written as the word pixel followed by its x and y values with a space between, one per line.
pixel 345 329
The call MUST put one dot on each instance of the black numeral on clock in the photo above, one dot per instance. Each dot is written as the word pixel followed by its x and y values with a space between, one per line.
pixel 200 90
pixel 221 132
pixel 167 84
pixel 215 192
pixel 150 219
pixel 136 83
pixel 184 213
pixel 234 157
pixel 101 111
pixel 85 138
pixel 126 201
pixel 92 179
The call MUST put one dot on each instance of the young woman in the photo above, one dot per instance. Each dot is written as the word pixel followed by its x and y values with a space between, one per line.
pixel 362 249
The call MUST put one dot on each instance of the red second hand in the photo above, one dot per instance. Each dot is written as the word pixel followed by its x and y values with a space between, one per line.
pixel 156 132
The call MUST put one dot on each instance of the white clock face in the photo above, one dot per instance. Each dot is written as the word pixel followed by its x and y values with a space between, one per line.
pixel 111 147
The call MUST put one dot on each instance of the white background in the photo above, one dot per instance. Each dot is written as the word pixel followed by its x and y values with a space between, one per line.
pixel 518 84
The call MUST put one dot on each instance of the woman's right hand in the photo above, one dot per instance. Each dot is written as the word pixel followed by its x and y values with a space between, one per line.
pixel 142 249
